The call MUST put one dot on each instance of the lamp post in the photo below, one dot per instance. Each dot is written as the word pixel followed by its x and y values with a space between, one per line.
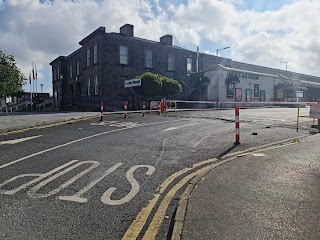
pixel 41 86
pixel 217 51
pixel 200 79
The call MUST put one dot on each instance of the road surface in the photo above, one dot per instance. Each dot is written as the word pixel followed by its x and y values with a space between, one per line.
pixel 120 179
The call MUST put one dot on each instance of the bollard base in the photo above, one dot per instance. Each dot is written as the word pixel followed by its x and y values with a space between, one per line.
pixel 237 143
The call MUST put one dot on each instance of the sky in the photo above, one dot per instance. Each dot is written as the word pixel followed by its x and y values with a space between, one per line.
pixel 264 32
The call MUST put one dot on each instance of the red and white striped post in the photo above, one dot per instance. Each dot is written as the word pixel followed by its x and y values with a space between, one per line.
pixel 101 111
pixel 159 107
pixel 143 108
pixel 237 125
pixel 125 107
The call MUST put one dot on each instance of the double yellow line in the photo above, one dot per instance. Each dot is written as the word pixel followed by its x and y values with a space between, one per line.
pixel 139 222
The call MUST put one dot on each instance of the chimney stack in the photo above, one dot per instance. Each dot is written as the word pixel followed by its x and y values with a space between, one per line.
pixel 127 30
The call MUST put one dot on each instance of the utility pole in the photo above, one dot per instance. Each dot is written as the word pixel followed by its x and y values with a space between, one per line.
pixel 286 67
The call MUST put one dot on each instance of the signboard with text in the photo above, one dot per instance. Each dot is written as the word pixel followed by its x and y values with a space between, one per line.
pixel 315 111
pixel 136 82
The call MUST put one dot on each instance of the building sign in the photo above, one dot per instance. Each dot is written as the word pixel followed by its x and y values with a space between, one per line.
pixel 249 95
pixel 136 82
pixel 238 95
pixel 315 111
pixel 300 93
pixel 230 90
pixel 243 75
pixel 256 90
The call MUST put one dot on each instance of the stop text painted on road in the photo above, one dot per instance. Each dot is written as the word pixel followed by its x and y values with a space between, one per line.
pixel 44 179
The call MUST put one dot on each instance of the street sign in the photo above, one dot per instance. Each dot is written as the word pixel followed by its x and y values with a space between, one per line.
pixel 136 82
pixel 315 111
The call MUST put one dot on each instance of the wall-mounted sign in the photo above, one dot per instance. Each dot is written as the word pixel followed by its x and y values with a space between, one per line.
pixel 243 75
pixel 136 82
pixel 230 90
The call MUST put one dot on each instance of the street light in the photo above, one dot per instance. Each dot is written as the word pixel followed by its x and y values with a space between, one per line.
pixel 41 85
pixel 217 52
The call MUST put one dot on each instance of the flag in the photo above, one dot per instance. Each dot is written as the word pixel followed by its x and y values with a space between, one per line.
pixel 30 77
pixel 33 72
pixel 35 67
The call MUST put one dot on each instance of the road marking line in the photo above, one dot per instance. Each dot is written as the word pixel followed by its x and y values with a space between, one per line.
pixel 200 141
pixel 77 196
pixel 27 184
pixel 76 141
pixel 157 220
pixel 174 128
pixel 135 187
pixel 32 192
pixel 136 226
pixel 19 140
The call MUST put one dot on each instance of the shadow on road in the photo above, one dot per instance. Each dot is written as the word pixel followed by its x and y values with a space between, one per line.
pixel 236 144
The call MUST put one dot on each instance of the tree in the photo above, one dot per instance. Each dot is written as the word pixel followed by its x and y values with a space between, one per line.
pixel 150 85
pixel 11 78
pixel 170 87
pixel 153 85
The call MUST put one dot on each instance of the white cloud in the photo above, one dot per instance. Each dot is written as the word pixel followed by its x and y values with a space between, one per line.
pixel 39 32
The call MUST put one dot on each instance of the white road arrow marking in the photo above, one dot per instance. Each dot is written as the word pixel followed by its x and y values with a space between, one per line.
pixel 19 140
pixel 174 128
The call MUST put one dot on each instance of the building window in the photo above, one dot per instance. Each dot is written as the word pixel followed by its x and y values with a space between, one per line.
pixel 78 67
pixel 189 65
pixel 88 86
pixel 123 54
pixel 88 57
pixel 148 58
pixel 70 69
pixel 95 54
pixel 170 61
pixel 96 85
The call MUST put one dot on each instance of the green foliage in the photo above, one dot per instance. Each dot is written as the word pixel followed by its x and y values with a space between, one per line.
pixel 153 85
pixel 170 87
pixel 150 85
pixel 11 78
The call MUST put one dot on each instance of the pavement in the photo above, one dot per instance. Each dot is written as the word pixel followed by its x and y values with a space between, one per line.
pixel 271 194
pixel 10 121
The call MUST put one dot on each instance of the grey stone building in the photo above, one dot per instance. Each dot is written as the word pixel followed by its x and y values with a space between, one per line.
pixel 97 70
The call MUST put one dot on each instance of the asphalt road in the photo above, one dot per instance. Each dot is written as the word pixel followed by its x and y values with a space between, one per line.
pixel 92 180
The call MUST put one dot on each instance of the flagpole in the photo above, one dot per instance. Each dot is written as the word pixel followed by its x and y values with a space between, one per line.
pixel 35 68
pixel 30 91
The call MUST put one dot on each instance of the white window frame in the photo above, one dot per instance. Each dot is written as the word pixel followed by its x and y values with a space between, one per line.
pixel 78 67
pixel 88 86
pixel 189 65
pixel 95 54
pixel 96 85
pixel 171 62
pixel 123 53
pixel 148 59
pixel 70 70
pixel 88 57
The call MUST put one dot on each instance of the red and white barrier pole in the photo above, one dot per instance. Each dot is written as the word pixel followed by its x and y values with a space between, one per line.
pixel 143 108
pixel 237 125
pixel 125 107
pixel 159 107
pixel 101 111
